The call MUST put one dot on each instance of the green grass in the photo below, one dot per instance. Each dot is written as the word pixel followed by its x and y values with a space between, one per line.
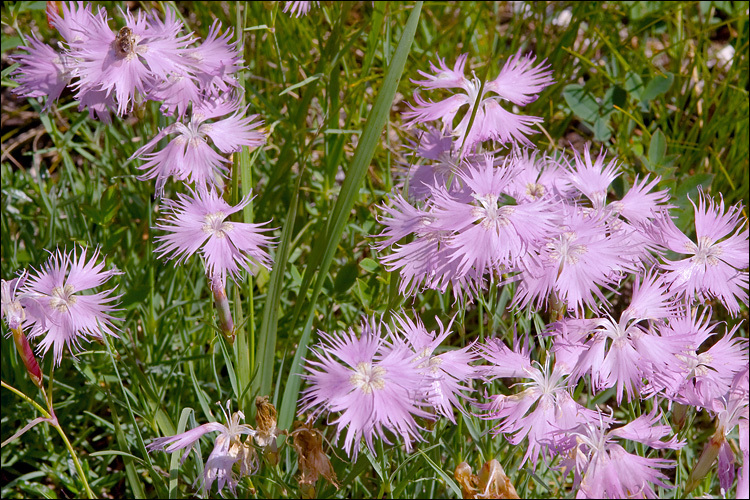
pixel 638 79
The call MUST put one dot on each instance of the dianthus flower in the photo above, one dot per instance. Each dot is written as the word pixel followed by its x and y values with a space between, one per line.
pixel 604 469
pixel 697 375
pixel 208 73
pixel 12 307
pixel 298 9
pixel 446 373
pixel 198 222
pixel 573 261
pixel 519 82
pixel 717 264
pixel 731 411
pixel 541 410
pixel 426 262
pixel 593 178
pixel 188 156
pixel 536 178
pixel 491 231
pixel 60 311
pixel 622 353
pixel 144 52
pixel 374 385
pixel 431 163
pixel 42 72
pixel 228 450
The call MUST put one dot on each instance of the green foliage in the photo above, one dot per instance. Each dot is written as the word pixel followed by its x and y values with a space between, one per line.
pixel 640 79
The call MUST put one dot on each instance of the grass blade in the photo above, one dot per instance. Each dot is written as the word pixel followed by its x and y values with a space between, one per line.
pixel 345 201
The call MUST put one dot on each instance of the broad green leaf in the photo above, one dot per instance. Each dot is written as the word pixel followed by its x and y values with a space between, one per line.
pixel 581 102
pixel 658 85
pixel 657 148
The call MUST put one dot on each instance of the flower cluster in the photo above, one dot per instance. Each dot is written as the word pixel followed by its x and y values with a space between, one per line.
pixel 519 82
pixel 49 303
pixel 384 380
pixel 550 227
pixel 148 59
pixel 112 71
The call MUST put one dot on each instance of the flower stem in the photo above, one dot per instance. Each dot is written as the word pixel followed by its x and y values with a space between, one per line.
pixel 51 418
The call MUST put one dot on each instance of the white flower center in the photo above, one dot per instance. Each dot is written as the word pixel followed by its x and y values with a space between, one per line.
pixel 492 214
pixel 705 251
pixel 214 224
pixel 564 250
pixel 368 378
pixel 62 298
pixel 534 190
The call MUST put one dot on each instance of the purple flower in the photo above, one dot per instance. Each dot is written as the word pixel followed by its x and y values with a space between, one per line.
pixel 639 205
pixel 696 375
pixel 188 155
pixel 426 262
pixel 445 373
pixel 298 9
pixel 537 178
pixel 518 82
pixel 60 311
pixel 42 72
pixel 228 450
pixel 717 263
pixel 490 230
pixel 432 163
pixel 540 411
pixel 622 353
pixel 374 385
pixel 732 411
pixel 573 261
pixel 144 52
pixel 199 221
pixel 211 68
pixel 593 178
pixel 12 306
pixel 604 469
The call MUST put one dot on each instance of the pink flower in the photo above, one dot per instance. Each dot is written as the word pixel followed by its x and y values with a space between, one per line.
pixel 426 262
pixel 537 178
pixel 42 72
pixel 717 263
pixel 518 82
pixel 622 353
pixel 208 74
pixel 298 9
pixel 697 375
pixel 593 178
pixel 490 231
pixel 228 450
pixel 431 164
pixel 144 52
pixel 198 222
pixel 12 306
pixel 639 205
pixel 374 385
pixel 445 373
pixel 540 411
pixel 188 155
pixel 573 261
pixel 604 469
pixel 61 312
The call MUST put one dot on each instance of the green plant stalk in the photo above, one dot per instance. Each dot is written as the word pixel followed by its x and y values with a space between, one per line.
pixel 51 418
pixel 245 341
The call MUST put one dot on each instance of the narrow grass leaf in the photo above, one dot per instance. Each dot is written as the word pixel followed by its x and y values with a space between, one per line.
pixel 349 191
